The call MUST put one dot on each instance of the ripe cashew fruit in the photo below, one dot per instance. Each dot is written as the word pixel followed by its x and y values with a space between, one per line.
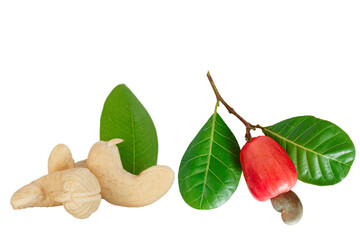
pixel 267 168
pixel 122 188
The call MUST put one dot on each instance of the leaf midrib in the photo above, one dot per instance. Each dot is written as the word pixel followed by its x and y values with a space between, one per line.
pixel 131 113
pixel 133 130
pixel 210 151
pixel 306 149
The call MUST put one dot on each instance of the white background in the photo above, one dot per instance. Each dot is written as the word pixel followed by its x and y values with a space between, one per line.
pixel 271 60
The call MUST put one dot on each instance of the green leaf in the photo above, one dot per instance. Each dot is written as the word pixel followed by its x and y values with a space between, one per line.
pixel 210 169
pixel 123 116
pixel 321 151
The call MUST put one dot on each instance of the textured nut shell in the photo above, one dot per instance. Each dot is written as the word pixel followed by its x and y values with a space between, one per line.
pixel 290 207
pixel 122 188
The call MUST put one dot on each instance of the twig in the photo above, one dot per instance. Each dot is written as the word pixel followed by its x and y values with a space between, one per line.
pixel 248 125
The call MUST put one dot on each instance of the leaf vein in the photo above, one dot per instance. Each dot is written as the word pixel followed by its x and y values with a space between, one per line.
pixel 303 147
pixel 296 127
pixel 336 145
pixel 198 156
pixel 193 174
pixel 224 164
pixel 326 140
pixel 321 170
pixel 192 188
pixel 306 131
pixel 224 148
pixel 219 179
pixel 317 134
pixel 210 151
pixel 199 143
pixel 232 140
pixel 212 191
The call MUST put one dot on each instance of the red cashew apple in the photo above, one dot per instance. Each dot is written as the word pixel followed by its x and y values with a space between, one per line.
pixel 270 174
pixel 267 168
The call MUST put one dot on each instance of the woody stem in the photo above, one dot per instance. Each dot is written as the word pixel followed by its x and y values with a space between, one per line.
pixel 248 125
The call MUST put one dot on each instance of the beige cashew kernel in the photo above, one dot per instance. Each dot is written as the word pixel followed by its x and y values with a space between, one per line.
pixel 76 188
pixel 61 158
pixel 122 188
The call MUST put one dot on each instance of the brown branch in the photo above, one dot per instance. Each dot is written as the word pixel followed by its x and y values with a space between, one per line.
pixel 232 111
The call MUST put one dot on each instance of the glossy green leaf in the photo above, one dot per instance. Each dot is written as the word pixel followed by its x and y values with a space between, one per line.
pixel 210 169
pixel 124 117
pixel 321 151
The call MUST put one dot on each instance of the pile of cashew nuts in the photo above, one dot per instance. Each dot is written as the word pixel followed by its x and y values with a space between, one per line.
pixel 80 186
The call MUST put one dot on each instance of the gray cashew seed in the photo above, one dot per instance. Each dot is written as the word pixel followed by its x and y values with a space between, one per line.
pixel 290 206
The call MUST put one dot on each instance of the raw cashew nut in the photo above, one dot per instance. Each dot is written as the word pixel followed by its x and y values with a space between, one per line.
pixel 77 189
pixel 122 188
pixel 61 158
pixel 289 205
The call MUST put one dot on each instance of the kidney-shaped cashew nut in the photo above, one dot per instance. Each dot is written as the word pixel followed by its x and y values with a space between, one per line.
pixel 122 188
pixel 289 205
pixel 61 158
pixel 77 189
